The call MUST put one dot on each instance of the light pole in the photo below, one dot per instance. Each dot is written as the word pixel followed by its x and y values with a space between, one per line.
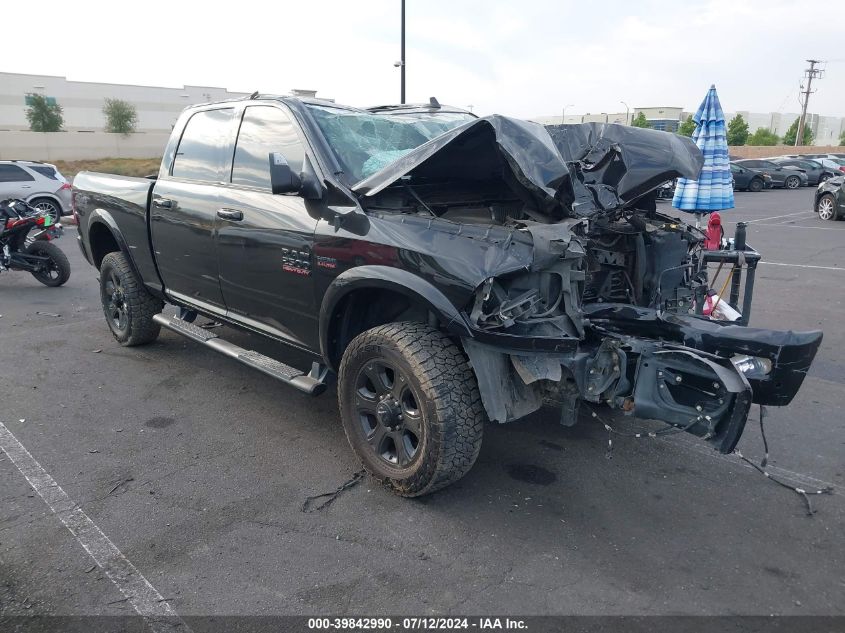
pixel 401 63
pixel 627 112
pixel 563 113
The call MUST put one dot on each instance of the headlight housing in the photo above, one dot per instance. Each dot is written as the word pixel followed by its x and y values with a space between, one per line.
pixel 752 366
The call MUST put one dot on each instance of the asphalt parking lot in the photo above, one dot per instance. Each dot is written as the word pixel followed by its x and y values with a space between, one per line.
pixel 196 469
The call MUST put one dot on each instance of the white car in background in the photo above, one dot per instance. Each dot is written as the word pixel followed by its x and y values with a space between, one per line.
pixel 40 184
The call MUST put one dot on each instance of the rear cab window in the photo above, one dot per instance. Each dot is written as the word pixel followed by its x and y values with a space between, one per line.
pixel 203 150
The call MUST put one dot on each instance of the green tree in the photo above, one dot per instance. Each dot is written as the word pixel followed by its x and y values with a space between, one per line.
pixel 842 138
pixel 43 114
pixel 640 121
pixel 763 136
pixel 121 116
pixel 687 127
pixel 737 131
pixel 792 132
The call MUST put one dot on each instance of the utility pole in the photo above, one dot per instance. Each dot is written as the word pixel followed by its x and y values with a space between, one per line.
pixel 811 73
pixel 402 68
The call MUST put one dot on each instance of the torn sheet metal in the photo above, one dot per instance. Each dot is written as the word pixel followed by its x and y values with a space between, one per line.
pixel 567 171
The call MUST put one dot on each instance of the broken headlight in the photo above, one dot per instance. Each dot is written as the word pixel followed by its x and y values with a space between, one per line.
pixel 752 366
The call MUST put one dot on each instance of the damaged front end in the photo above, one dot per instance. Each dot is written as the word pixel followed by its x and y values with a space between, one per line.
pixel 609 309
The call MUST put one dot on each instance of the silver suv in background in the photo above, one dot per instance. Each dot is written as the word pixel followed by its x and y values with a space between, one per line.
pixel 40 184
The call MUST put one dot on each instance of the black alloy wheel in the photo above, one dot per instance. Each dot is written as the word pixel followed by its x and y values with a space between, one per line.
pixel 114 303
pixel 388 412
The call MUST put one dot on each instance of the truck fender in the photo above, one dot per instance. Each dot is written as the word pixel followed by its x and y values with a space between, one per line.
pixel 394 279
pixel 103 217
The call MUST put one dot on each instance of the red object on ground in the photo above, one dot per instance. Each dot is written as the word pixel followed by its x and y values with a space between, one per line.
pixel 713 236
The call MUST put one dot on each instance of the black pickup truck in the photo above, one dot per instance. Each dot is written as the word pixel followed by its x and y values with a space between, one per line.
pixel 448 271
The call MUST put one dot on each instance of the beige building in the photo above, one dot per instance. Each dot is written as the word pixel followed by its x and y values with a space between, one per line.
pixel 82 101
pixel 826 129
pixel 660 117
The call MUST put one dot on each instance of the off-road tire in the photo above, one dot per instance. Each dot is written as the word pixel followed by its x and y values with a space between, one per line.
pixel 756 185
pixel 140 305
pixel 450 404
pixel 60 261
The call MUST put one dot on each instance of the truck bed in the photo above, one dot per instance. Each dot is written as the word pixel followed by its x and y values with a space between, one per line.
pixel 117 201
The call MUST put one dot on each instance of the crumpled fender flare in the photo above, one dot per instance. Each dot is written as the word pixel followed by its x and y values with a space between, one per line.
pixel 101 216
pixel 394 279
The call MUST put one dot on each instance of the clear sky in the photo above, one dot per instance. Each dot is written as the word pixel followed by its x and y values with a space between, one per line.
pixel 523 58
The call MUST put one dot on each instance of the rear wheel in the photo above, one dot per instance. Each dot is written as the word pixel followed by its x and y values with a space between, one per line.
pixel 56 270
pixel 826 207
pixel 792 182
pixel 824 178
pixel 756 185
pixel 48 206
pixel 128 306
pixel 410 407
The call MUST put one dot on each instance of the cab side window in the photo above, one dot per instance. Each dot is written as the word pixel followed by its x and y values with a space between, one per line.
pixel 264 129
pixel 203 147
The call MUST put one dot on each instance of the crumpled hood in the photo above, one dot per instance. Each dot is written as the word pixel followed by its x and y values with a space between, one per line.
pixel 563 170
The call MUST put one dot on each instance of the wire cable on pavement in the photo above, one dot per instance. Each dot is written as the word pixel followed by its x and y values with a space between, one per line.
pixel 761 468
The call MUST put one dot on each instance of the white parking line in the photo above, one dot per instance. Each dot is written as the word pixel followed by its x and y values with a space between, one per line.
pixel 143 597
pixel 801 265
pixel 814 228
pixel 775 217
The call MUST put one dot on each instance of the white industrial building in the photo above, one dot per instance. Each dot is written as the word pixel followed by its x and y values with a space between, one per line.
pixel 826 129
pixel 82 101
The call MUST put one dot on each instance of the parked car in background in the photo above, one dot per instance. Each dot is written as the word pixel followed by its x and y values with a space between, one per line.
pixel 816 172
pixel 781 176
pixel 816 156
pixel 749 179
pixel 830 199
pixel 39 184
pixel 839 162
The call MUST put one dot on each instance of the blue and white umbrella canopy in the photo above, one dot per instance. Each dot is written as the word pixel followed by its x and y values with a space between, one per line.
pixel 713 191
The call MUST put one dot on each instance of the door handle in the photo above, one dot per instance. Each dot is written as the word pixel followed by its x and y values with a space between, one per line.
pixel 230 214
pixel 164 203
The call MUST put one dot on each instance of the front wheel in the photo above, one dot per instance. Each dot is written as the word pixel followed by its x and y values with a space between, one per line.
pixel 793 182
pixel 56 269
pixel 410 407
pixel 756 185
pixel 826 207
pixel 128 306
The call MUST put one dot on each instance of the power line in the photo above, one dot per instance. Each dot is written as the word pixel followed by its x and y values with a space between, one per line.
pixel 811 73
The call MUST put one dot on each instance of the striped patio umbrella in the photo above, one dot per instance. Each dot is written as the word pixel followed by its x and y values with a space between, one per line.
pixel 713 191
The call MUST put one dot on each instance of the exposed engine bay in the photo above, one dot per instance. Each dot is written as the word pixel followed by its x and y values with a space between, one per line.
pixel 608 307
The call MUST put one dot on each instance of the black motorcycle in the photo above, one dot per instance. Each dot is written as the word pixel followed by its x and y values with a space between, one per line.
pixel 25 243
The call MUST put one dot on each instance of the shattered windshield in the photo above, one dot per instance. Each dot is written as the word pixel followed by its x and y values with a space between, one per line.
pixel 364 142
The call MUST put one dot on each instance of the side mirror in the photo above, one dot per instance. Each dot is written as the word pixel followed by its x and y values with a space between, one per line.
pixel 282 178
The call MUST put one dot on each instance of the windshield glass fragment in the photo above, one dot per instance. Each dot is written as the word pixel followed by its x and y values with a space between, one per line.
pixel 364 143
